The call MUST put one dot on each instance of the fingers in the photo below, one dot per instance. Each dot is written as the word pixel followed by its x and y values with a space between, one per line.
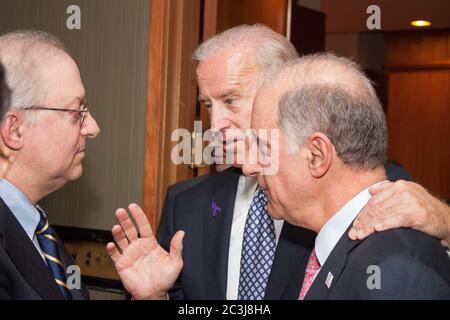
pixel 387 191
pixel 113 252
pixel 145 229
pixel 127 225
pixel 377 188
pixel 176 246
pixel 362 226
pixel 390 222
pixel 119 237
pixel 384 219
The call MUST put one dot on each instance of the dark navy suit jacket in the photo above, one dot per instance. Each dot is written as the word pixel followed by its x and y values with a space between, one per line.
pixel 23 273
pixel 188 207
pixel 409 265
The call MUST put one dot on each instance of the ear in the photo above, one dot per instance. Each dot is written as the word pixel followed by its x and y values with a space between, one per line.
pixel 11 130
pixel 320 154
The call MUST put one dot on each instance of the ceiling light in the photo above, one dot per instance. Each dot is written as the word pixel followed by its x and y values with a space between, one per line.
pixel 420 23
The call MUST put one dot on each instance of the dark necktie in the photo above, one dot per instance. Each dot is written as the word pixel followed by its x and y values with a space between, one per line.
pixel 49 247
pixel 258 250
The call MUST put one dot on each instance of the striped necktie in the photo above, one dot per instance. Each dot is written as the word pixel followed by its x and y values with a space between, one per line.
pixel 49 247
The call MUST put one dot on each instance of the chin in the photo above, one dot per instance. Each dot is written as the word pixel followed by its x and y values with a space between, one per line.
pixel 75 173
pixel 274 212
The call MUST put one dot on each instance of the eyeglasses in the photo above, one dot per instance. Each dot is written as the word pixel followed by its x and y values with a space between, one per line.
pixel 80 114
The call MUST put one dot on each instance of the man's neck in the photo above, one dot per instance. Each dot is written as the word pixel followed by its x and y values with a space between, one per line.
pixel 29 184
pixel 338 192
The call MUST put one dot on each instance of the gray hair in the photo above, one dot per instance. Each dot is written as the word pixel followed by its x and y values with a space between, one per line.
pixel 272 49
pixel 23 54
pixel 333 96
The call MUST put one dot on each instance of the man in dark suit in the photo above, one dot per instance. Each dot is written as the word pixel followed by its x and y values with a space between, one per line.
pixel 46 130
pixel 215 212
pixel 332 148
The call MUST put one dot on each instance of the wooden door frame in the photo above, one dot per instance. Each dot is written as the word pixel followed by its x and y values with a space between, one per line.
pixel 174 34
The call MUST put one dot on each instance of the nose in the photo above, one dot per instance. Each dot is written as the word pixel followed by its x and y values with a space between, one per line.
pixel 219 121
pixel 90 127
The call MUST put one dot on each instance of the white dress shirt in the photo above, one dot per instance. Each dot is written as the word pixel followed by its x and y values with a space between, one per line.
pixel 244 196
pixel 335 228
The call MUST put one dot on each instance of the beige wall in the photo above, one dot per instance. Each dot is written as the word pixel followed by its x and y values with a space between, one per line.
pixel 111 51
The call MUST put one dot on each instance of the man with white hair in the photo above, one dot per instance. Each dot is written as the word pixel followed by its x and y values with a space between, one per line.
pixel 332 148
pixel 232 247
pixel 46 129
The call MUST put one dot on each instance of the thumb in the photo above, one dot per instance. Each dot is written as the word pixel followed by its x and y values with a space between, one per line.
pixel 377 188
pixel 176 245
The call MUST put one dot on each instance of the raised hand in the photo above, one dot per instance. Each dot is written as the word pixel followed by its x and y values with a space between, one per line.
pixel 147 270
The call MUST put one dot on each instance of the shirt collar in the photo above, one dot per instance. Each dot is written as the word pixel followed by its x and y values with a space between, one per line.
pixel 21 207
pixel 333 230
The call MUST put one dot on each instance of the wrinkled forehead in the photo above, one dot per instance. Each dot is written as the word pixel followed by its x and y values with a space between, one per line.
pixel 228 67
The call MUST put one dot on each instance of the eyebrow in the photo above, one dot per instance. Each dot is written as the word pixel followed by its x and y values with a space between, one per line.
pixel 229 93
pixel 222 96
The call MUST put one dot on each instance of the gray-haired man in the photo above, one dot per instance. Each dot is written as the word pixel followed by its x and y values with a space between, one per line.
pixel 46 130
pixel 332 148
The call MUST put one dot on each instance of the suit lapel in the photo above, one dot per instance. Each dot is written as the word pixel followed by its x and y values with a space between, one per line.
pixel 27 259
pixel 332 269
pixel 216 233
pixel 291 256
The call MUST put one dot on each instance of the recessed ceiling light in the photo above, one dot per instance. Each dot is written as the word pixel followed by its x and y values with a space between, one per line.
pixel 420 23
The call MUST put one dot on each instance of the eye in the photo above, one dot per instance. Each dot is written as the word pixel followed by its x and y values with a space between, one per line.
pixel 205 103
pixel 76 115
pixel 230 101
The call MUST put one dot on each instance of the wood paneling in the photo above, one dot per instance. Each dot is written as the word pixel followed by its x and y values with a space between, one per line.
pixel 307 30
pixel 351 16
pixel 174 34
pixel 235 12
pixel 419 107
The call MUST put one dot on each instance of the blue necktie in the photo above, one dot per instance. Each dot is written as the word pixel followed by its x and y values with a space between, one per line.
pixel 258 250
pixel 49 247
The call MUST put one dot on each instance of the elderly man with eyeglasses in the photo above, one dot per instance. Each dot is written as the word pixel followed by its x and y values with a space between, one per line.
pixel 46 130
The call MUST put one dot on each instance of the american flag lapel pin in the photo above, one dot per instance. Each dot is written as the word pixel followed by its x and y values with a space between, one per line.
pixel 329 279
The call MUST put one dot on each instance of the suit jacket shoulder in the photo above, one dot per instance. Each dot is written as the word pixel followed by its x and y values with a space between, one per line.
pixel 23 272
pixel 394 264
pixel 188 207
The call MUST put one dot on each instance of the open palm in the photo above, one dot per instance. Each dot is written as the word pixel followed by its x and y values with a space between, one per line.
pixel 147 270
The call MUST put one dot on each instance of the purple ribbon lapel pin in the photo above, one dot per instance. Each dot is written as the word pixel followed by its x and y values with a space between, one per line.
pixel 215 209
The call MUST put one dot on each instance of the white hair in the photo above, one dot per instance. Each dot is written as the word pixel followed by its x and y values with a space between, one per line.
pixel 272 49
pixel 23 54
